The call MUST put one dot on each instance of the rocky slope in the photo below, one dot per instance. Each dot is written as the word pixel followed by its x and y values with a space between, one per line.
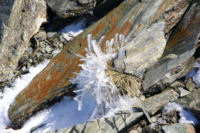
pixel 160 46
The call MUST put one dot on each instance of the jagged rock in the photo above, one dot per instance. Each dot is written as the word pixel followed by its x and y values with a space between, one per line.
pixel 105 125
pixel 191 102
pixel 190 85
pixel 25 20
pixel 69 8
pixel 179 128
pixel 5 9
pixel 155 103
pixel 129 18
pixel 182 92
pixel 180 48
pixel 142 52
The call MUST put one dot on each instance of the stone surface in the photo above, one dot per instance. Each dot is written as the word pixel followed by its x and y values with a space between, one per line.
pixel 182 92
pixel 190 85
pixel 142 52
pixel 180 47
pixel 191 102
pixel 105 125
pixel 25 20
pixel 130 16
pixel 72 8
pixel 179 128
pixel 5 9
pixel 155 103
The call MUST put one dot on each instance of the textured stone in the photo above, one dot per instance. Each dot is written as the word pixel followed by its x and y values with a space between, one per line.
pixel 155 103
pixel 179 128
pixel 25 20
pixel 142 52
pixel 191 102
pixel 105 125
pixel 53 81
pixel 72 8
pixel 5 9
pixel 190 85
pixel 179 49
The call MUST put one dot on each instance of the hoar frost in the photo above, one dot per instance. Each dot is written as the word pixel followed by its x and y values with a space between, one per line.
pixel 92 79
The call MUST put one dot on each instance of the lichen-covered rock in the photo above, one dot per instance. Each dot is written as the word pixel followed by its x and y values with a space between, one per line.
pixel 25 20
pixel 129 19
pixel 72 8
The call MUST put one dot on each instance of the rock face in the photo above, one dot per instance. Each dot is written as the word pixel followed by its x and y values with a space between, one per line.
pixel 142 52
pixel 72 8
pixel 180 47
pixel 129 18
pixel 105 125
pixel 25 20
pixel 5 9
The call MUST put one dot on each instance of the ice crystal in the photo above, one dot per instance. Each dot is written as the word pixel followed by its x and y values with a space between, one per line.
pixel 92 78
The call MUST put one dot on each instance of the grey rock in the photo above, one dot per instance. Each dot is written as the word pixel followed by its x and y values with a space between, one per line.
pixel 25 20
pixel 182 92
pixel 71 8
pixel 155 103
pixel 190 85
pixel 5 9
pixel 179 49
pixel 142 52
pixel 104 125
pixel 191 102
pixel 179 128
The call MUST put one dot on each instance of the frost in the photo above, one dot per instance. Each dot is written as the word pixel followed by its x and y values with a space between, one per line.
pixel 195 74
pixel 93 80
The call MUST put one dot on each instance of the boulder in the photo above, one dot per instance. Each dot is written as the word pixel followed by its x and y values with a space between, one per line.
pixel 25 20
pixel 72 8
pixel 129 18
pixel 176 60
pixel 179 128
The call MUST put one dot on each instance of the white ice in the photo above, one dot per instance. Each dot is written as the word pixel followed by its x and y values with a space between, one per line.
pixel 72 30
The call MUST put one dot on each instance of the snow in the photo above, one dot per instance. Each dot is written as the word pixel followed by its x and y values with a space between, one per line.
pixel 9 94
pixel 72 30
pixel 97 94
pixel 195 74
pixel 185 116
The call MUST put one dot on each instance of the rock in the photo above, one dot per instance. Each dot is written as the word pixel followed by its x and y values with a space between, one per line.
pixel 179 49
pixel 68 8
pixel 182 92
pixel 191 102
pixel 25 20
pixel 155 103
pixel 105 125
pixel 5 9
pixel 179 128
pixel 129 19
pixel 142 52
pixel 190 85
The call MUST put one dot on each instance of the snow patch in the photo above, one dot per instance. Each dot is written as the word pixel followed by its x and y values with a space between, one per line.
pixel 72 30
pixel 185 116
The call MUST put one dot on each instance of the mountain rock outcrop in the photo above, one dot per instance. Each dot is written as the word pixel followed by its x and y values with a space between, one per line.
pixel 25 20
pixel 131 18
